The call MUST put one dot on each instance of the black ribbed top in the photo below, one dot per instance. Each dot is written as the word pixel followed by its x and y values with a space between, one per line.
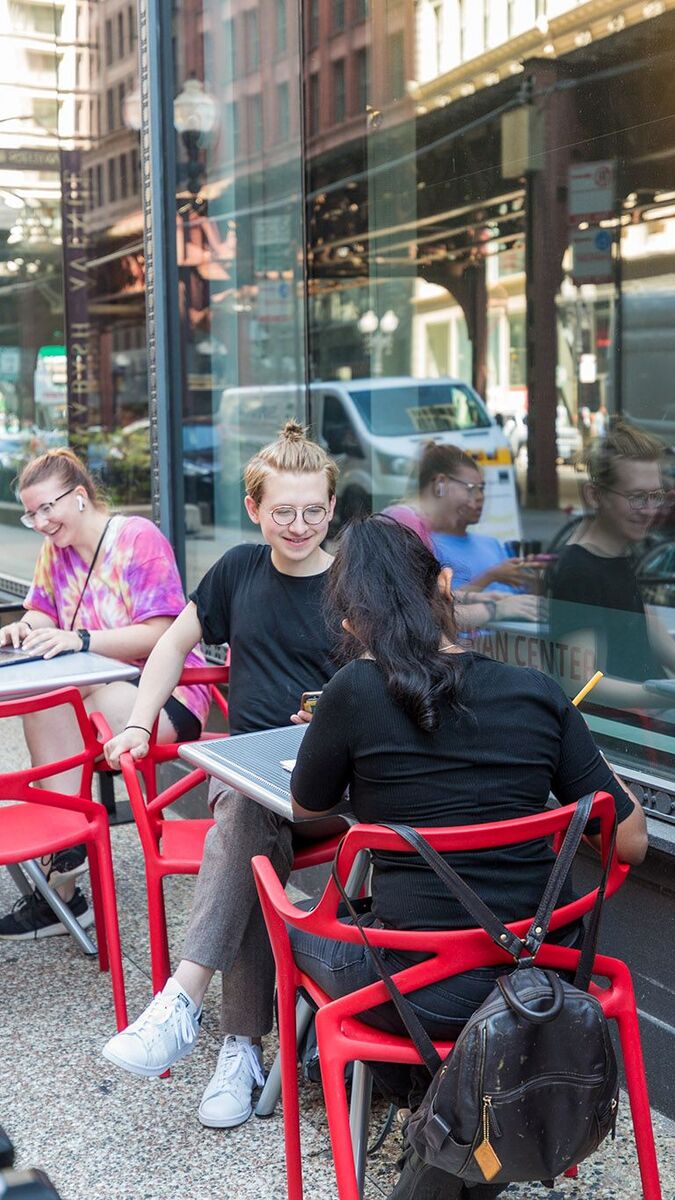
pixel 518 739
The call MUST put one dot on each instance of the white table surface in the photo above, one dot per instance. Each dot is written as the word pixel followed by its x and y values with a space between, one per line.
pixel 46 674
pixel 251 763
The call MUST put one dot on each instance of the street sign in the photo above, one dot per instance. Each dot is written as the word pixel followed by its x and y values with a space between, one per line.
pixel 591 191
pixel 592 255
pixel 275 301
pixel 26 158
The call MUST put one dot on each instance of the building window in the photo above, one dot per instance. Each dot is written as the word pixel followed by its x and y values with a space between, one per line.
pixel 361 70
pixel 110 108
pixel 255 123
pixel 313 31
pixel 251 40
pixel 112 180
pixel 437 47
pixel 338 15
pixel 108 43
pixel 395 66
pixel 120 34
pixel 131 26
pixel 314 112
pixel 124 177
pixel 100 199
pixel 283 113
pixel 135 172
pixel 338 74
pixel 360 10
pixel 46 113
pixel 465 15
pixel 121 92
pixel 282 26
pixel 79 117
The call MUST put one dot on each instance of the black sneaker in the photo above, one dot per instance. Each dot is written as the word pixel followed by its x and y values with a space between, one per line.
pixel 66 865
pixel 31 917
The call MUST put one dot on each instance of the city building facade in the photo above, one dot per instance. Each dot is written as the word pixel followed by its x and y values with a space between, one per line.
pixel 216 214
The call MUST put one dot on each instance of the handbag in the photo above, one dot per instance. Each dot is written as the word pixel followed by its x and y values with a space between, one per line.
pixel 531 1085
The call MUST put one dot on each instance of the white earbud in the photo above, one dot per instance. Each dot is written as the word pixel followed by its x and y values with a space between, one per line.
pixel 439 490
pixel 80 503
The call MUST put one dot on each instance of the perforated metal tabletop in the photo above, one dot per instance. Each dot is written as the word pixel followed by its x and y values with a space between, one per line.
pixel 251 762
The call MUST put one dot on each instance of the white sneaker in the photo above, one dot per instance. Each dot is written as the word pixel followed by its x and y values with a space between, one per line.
pixel 162 1035
pixel 227 1099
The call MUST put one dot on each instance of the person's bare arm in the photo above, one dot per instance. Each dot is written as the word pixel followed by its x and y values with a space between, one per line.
pixel 128 643
pixel 662 642
pixel 160 676
pixel 581 646
pixel 631 836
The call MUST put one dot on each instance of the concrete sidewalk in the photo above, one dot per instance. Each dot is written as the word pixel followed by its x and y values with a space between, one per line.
pixel 105 1135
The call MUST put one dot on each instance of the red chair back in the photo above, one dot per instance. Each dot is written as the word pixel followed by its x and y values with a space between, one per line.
pixel 343 1037
pixel 87 821
pixel 20 785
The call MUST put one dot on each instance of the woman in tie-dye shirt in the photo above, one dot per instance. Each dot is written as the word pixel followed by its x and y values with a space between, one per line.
pixel 119 608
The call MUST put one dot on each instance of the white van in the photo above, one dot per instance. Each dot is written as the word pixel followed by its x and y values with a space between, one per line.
pixel 375 428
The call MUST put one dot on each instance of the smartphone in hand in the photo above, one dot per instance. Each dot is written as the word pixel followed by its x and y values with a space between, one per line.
pixel 309 701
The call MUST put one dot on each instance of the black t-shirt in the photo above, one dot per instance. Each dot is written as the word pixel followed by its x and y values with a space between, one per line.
pixel 279 641
pixel 603 595
pixel 517 739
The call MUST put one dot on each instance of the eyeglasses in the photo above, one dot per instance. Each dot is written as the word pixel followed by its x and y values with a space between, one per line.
pixel 313 514
pixel 44 510
pixel 640 500
pixel 474 489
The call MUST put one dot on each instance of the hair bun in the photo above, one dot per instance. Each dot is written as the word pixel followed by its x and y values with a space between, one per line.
pixel 293 431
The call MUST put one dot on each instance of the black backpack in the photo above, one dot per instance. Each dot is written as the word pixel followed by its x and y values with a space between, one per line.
pixel 531 1086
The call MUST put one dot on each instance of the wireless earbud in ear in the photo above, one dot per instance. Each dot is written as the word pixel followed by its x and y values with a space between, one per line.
pixel 439 490
pixel 80 503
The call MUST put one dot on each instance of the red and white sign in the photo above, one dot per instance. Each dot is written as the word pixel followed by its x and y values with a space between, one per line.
pixel 591 191
pixel 592 255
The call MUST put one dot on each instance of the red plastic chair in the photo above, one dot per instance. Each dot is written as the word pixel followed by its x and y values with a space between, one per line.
pixel 45 821
pixel 343 1038
pixel 176 847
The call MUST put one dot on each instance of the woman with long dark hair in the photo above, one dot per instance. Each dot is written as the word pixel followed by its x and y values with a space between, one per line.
pixel 427 734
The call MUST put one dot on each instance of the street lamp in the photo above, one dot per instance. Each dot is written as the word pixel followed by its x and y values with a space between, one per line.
pixel 379 333
pixel 195 115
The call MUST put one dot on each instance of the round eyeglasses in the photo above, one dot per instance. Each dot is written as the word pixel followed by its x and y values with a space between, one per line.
pixel 44 510
pixel 474 489
pixel 285 514
pixel 640 500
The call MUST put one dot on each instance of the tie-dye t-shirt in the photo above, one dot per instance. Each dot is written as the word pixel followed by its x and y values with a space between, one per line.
pixel 135 578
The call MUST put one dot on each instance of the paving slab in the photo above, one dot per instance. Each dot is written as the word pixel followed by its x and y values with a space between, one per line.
pixel 102 1134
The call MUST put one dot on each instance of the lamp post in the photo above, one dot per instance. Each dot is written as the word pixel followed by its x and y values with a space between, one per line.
pixel 378 333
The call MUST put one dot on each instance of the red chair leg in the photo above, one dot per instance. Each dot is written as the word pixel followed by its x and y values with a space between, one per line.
pixel 571 1173
pixel 98 905
pixel 159 941
pixel 286 1001
pixel 636 1083
pixel 333 1080
pixel 111 925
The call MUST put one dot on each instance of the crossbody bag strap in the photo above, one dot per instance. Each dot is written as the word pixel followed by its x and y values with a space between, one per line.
pixel 587 957
pixel 406 1012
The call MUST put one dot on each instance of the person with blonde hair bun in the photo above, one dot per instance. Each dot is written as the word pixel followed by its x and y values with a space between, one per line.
pixel 266 602
pixel 103 582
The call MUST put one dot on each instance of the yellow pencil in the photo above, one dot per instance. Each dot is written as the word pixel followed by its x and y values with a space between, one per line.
pixel 587 687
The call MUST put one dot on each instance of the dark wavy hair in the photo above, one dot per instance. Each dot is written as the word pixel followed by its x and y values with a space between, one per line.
pixel 384 583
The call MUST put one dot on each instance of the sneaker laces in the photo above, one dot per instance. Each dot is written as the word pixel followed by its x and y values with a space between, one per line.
pixel 232 1055
pixel 26 907
pixel 163 1010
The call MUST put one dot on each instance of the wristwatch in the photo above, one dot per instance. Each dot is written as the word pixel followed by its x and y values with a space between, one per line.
pixel 85 637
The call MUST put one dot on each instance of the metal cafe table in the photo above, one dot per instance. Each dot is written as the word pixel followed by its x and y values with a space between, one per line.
pixel 33 678
pixel 259 766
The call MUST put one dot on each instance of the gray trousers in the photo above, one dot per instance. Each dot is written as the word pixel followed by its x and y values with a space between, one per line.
pixel 226 931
